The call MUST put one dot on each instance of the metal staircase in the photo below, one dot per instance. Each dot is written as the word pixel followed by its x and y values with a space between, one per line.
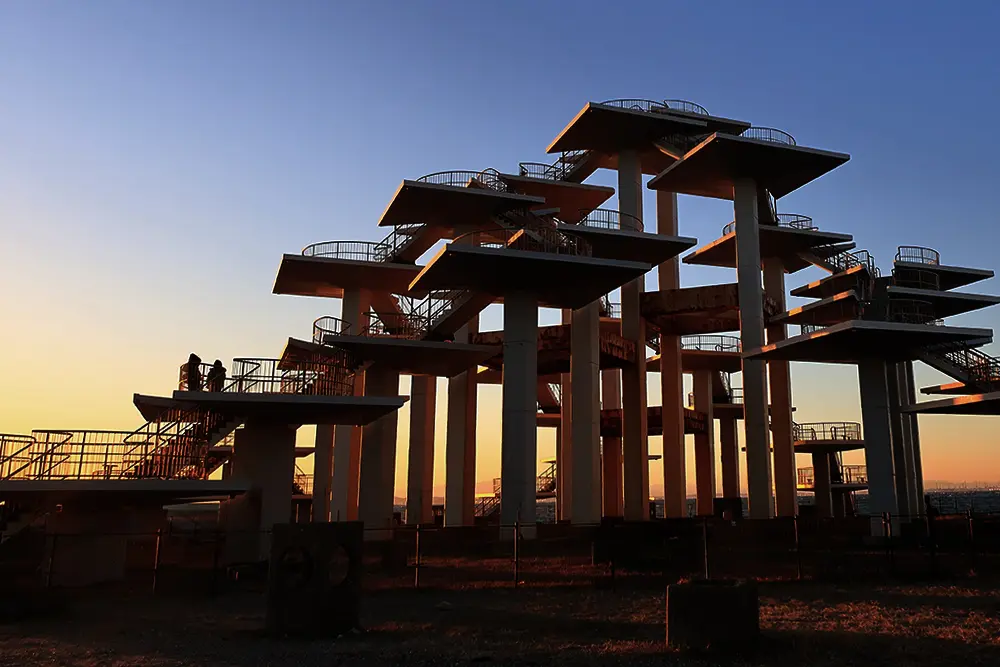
pixel 965 363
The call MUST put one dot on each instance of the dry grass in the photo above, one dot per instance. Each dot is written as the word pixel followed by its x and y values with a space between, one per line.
pixel 546 624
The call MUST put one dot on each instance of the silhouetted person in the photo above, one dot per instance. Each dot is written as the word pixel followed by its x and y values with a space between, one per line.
pixel 194 372
pixel 216 377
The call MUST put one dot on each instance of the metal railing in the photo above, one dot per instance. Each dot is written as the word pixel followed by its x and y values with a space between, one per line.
pixel 790 220
pixel 329 326
pixel 556 171
pixel 489 178
pixel 315 377
pixel 15 452
pixel 396 325
pixel 918 255
pixel 398 239
pixel 302 483
pixel 810 328
pixel 647 106
pixel 611 309
pixel 826 431
pixel 359 251
pixel 556 390
pixel 539 239
pixel 854 474
pixel 712 343
pixel 911 311
pixel 603 218
pixel 769 134
pixel 980 368
pixel 916 279
pixel 197 381
pixel 736 395
pixel 686 106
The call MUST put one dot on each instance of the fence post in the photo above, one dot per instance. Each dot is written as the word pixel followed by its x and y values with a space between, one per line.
pixel 416 559
pixel 704 545
pixel 51 561
pixel 887 531
pixel 156 558
pixel 798 548
pixel 972 543
pixel 517 533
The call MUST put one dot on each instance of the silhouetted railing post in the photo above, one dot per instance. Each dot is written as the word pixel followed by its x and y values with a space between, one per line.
pixel 704 546
pixel 798 548
pixel 416 558
pixel 972 541
pixel 156 558
pixel 517 564
pixel 50 563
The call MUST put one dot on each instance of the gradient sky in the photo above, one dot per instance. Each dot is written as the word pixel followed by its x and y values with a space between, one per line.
pixel 157 159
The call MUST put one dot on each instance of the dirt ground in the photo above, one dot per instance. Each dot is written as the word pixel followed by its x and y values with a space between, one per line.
pixel 803 623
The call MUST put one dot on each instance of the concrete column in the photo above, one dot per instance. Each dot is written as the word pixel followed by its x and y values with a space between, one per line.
pixel 346 438
pixel 671 375
pixel 263 455
pixel 460 445
pixel 586 424
pixel 899 444
pixel 841 499
pixel 917 479
pixel 378 457
pixel 519 443
pixel 755 419
pixel 878 439
pixel 704 445
pixel 611 447
pixel 322 473
pixel 730 457
pixel 564 445
pixel 635 444
pixel 821 485
pixel 780 380
pixel 420 463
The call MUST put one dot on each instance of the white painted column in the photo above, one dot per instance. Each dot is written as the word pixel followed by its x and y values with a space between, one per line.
pixel 635 445
pixel 346 457
pixel 755 420
pixel 671 375
pixel 780 380
pixel 730 456
pixel 878 439
pixel 564 445
pixel 586 424
pixel 460 445
pixel 420 460
pixel 821 485
pixel 704 445
pixel 264 455
pixel 378 457
pixel 611 446
pixel 519 432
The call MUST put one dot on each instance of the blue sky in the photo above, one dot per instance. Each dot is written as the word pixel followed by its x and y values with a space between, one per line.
pixel 157 158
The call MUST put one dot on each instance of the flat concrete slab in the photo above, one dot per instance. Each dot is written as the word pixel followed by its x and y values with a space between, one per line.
pixel 702 360
pixel 327 277
pixel 554 351
pixel 975 404
pixel 697 310
pixel 711 168
pixel 611 129
pixel 950 276
pixel 557 280
pixel 945 304
pixel 785 243
pixel 629 245
pixel 611 421
pixel 122 490
pixel 574 200
pixel 284 408
pixel 825 312
pixel 849 342
pixel 410 357
pixel 446 205
pixel 831 285
pixel 827 446
pixel 950 388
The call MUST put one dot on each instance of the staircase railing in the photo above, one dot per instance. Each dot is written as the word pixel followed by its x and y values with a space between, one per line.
pixel 546 480
pixel 826 431
pixel 918 255
pixel 602 218
pixel 398 239
pixel 980 369
pixel 15 453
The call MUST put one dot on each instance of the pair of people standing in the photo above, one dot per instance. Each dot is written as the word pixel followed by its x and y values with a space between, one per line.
pixel 214 380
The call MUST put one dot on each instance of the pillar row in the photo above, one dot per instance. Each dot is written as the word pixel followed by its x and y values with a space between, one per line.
pixel 704 445
pixel 586 424
pixel 460 445
pixel 519 443
pixel 611 446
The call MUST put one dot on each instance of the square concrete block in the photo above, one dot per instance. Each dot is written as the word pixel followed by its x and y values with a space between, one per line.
pixel 717 615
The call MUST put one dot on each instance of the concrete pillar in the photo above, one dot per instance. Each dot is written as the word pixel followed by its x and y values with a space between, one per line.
pixel 264 456
pixel 821 485
pixel 841 500
pixel 780 381
pixel 878 439
pixel 899 444
pixel 519 441
pixel 611 447
pixel 564 445
pixel 378 457
pixel 586 424
pixel 346 438
pixel 420 462
pixel 635 445
pixel 730 457
pixel 322 473
pixel 671 375
pixel 704 445
pixel 460 445
pixel 917 479
pixel 755 419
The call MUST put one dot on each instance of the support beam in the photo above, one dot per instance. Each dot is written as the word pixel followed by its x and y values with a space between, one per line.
pixel 635 445
pixel 704 445
pixel 586 425
pixel 730 458
pixel 780 380
pixel 671 375
pixel 821 484
pixel 420 464
pixel 460 445
pixel 611 446
pixel 911 432
pixel 378 458
pixel 564 445
pixel 899 444
pixel 347 439
pixel 755 420
pixel 519 432
pixel 878 439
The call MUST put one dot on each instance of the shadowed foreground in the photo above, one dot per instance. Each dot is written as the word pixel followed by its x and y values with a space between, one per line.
pixel 803 624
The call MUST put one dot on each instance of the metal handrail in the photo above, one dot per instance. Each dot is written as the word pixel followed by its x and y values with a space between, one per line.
pixel 611 309
pixel 359 251
pixel 465 178
pixel 604 218
pixel 558 170
pixel 184 380
pixel 539 239
pixel 711 343
pixel 918 255
pixel 826 431
pixel 790 220
pixel 769 134
pixel 648 106
pixel 399 238
pixel 397 325
pixel 736 395
pixel 854 474
pixel 313 377
pixel 916 279
pixel 911 311
pixel 982 369
pixel 15 452
pixel 327 326
pixel 810 328
pixel 684 105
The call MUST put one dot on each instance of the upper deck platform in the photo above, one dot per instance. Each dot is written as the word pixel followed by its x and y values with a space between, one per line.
pixel 831 285
pixel 302 275
pixel 447 205
pixel 711 168
pixel 975 404
pixel 697 310
pixel 574 200
pixel 944 304
pixel 949 277
pixel 785 243
pixel 627 244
